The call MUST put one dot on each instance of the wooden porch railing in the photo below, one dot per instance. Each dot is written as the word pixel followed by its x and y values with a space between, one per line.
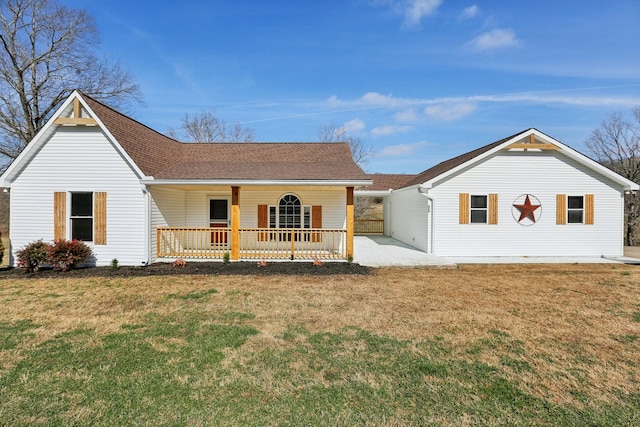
pixel 368 226
pixel 255 243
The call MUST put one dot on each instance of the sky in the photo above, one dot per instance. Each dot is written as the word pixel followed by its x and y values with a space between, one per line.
pixel 420 81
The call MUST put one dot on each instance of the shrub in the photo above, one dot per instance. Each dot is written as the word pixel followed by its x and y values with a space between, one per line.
pixel 179 263
pixel 226 258
pixel 32 256
pixel 114 264
pixel 65 255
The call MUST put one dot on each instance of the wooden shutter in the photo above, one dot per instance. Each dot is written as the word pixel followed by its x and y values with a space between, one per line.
pixel 588 209
pixel 316 222
pixel 561 209
pixel 464 208
pixel 263 222
pixel 493 208
pixel 59 215
pixel 100 218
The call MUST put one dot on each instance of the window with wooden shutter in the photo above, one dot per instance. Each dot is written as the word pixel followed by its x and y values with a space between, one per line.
pixel 561 209
pixel 493 209
pixel 316 222
pixel 100 214
pixel 464 208
pixel 59 216
pixel 588 209
pixel 263 222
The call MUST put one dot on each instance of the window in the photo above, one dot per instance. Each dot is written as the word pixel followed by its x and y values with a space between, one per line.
pixel 479 209
pixel 289 212
pixel 575 209
pixel 82 216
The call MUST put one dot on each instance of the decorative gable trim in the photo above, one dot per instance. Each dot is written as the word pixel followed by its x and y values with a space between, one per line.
pixel 77 118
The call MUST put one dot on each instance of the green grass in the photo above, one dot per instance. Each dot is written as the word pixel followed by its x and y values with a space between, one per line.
pixel 178 352
pixel 169 370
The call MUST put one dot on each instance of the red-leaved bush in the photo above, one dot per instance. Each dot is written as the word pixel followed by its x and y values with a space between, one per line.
pixel 65 255
pixel 32 256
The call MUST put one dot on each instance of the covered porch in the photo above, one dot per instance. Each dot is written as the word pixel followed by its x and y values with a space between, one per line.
pixel 252 222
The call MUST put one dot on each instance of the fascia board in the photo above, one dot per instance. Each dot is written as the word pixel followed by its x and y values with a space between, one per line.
pixel 239 182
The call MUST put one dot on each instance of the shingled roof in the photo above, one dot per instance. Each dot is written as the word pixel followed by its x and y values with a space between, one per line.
pixel 386 181
pixel 447 165
pixel 165 158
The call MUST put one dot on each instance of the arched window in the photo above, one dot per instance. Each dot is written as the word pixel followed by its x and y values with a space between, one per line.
pixel 289 212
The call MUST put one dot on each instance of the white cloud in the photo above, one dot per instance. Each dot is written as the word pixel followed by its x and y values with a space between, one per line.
pixel 494 39
pixel 415 10
pixel 450 112
pixel 411 10
pixel 408 115
pixel 470 12
pixel 400 149
pixel 390 130
pixel 375 98
pixel 353 126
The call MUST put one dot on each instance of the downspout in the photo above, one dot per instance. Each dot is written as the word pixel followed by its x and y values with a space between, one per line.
pixel 430 205
pixel 147 224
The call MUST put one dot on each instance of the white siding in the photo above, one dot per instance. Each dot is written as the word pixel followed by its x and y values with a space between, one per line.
pixel 407 218
pixel 543 175
pixel 190 208
pixel 167 210
pixel 80 159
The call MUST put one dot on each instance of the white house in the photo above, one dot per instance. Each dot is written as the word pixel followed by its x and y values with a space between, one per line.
pixel 525 195
pixel 137 196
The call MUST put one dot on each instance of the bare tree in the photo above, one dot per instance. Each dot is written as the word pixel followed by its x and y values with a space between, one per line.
pixel 360 149
pixel 205 126
pixel 616 144
pixel 47 51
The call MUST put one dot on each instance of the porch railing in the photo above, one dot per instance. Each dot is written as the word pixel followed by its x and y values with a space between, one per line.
pixel 254 243
pixel 368 226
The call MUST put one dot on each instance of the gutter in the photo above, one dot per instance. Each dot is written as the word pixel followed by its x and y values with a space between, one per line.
pixel 248 182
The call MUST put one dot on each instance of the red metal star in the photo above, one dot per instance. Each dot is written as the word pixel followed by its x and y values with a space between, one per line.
pixel 526 210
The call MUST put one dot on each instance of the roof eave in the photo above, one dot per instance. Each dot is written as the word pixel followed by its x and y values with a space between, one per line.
pixel 258 182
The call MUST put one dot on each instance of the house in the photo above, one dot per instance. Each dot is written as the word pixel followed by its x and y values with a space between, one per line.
pixel 138 196
pixel 525 195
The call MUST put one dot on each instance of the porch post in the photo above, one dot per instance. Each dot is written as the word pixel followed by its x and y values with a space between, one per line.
pixel 235 223
pixel 350 222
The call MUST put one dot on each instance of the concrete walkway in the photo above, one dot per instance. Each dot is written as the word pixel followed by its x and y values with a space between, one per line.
pixel 382 251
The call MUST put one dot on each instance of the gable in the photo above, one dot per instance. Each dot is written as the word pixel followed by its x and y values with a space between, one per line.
pixel 74 115
pixel 529 143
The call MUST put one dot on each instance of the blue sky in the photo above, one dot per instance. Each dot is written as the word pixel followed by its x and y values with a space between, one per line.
pixel 420 80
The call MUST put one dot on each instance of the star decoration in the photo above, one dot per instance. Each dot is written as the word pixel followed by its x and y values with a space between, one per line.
pixel 527 210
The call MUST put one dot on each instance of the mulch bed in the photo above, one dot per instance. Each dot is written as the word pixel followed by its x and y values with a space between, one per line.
pixel 199 268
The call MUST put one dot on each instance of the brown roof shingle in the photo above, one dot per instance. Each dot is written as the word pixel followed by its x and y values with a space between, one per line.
pixel 447 165
pixel 267 161
pixel 165 158
pixel 385 181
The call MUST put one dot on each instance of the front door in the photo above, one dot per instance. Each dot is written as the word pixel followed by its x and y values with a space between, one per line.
pixel 219 218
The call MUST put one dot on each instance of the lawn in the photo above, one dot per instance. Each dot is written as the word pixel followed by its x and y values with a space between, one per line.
pixel 476 345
